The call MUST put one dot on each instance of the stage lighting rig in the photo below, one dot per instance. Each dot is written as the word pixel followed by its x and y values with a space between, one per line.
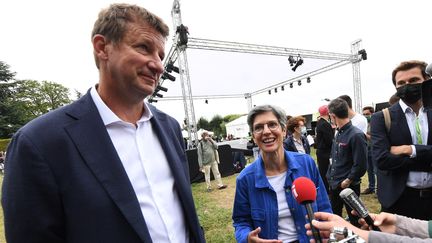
pixel 299 83
pixel 291 85
pixel 275 90
pixel 283 88
pixel 308 80
pixel 269 91
pixel 158 95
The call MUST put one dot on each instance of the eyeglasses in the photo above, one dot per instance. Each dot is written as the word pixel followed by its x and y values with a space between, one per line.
pixel 259 128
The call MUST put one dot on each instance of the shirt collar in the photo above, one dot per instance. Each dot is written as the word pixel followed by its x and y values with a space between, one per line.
pixel 407 109
pixel 109 117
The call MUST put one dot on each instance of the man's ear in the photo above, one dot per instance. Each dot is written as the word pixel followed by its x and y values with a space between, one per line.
pixel 100 47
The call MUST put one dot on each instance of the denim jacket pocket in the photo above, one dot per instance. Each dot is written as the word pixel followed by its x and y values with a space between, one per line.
pixel 258 217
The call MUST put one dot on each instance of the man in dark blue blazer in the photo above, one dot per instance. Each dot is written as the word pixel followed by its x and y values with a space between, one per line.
pixel 109 167
pixel 404 152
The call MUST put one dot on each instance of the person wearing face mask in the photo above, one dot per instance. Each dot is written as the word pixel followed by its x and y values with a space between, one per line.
pixel 403 153
pixel 297 141
pixel 371 167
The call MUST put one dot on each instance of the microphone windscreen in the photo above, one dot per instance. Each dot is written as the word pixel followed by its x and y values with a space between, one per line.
pixel 346 192
pixel 304 190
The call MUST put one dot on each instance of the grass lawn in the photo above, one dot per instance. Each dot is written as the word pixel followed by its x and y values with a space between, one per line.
pixel 215 208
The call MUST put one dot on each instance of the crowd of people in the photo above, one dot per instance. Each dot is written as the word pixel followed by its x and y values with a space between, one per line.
pixel 112 168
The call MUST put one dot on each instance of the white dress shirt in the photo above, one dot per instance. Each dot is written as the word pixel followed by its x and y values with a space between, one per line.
pixel 417 179
pixel 144 161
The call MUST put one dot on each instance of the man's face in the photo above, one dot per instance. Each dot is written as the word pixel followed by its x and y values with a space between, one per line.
pixel 135 64
pixel 410 76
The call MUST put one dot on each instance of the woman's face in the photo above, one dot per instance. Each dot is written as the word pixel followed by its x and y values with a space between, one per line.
pixel 299 127
pixel 268 133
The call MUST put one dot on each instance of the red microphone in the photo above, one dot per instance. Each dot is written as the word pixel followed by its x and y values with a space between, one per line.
pixel 304 191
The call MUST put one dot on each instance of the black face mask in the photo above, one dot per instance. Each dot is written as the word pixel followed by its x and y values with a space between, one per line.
pixel 410 93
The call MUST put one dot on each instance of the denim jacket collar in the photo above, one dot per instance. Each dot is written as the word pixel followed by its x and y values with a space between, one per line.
pixel 261 180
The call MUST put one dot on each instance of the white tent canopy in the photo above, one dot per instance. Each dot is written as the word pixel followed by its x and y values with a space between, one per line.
pixel 238 127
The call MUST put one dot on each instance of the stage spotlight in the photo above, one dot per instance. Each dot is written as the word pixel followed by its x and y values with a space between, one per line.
pixel 291 85
pixel 151 100
pixel 170 67
pixel 283 88
pixel 269 91
pixel 308 80
pixel 299 62
pixel 291 61
pixel 158 95
pixel 206 101
pixel 161 88
pixel 299 83
pixel 166 75
pixel 363 54
pixel 275 90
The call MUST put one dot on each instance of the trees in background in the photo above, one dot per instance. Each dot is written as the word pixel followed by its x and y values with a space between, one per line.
pixel 216 124
pixel 24 100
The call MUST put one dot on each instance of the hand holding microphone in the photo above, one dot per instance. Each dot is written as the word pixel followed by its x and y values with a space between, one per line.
pixel 350 198
pixel 304 191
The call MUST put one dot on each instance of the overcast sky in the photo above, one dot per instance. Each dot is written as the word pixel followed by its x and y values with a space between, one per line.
pixel 50 40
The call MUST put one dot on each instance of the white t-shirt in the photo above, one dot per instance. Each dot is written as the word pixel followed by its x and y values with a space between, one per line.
pixel 286 226
pixel 360 121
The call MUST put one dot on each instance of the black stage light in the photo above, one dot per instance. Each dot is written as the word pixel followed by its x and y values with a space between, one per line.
pixel 291 61
pixel 283 88
pixel 269 91
pixel 363 54
pixel 299 62
pixel 308 80
pixel 158 95
pixel 299 83
pixel 206 101
pixel 161 88
pixel 275 90
pixel 170 67
pixel 166 75
pixel 151 100
pixel 291 85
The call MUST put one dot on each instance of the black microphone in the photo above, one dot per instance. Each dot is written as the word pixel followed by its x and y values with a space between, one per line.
pixel 350 198
pixel 304 191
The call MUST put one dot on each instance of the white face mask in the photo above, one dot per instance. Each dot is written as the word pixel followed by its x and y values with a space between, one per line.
pixel 303 130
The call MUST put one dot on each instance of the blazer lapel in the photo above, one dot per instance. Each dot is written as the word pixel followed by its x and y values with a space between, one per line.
pixel 401 130
pixel 429 119
pixel 94 144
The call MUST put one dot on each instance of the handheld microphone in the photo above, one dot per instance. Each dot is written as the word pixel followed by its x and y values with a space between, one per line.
pixel 304 191
pixel 350 198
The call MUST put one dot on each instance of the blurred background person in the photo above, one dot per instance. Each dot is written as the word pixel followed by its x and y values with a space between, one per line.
pixel 323 142
pixel 297 141
pixel 371 166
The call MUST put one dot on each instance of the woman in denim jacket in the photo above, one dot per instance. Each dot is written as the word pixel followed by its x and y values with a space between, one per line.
pixel 264 207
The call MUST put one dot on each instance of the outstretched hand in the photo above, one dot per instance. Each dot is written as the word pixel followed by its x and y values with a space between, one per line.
pixel 385 221
pixel 328 221
pixel 253 237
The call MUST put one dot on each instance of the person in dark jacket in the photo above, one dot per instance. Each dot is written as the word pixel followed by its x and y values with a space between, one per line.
pixel 297 141
pixel 323 142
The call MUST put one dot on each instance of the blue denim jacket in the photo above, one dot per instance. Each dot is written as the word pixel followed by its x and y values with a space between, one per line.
pixel 255 203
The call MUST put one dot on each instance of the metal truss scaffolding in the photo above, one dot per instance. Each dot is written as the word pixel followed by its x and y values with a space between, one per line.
pixel 181 42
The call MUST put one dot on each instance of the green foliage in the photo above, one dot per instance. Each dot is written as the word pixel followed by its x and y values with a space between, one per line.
pixel 29 99
pixel 204 124
pixel 3 144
